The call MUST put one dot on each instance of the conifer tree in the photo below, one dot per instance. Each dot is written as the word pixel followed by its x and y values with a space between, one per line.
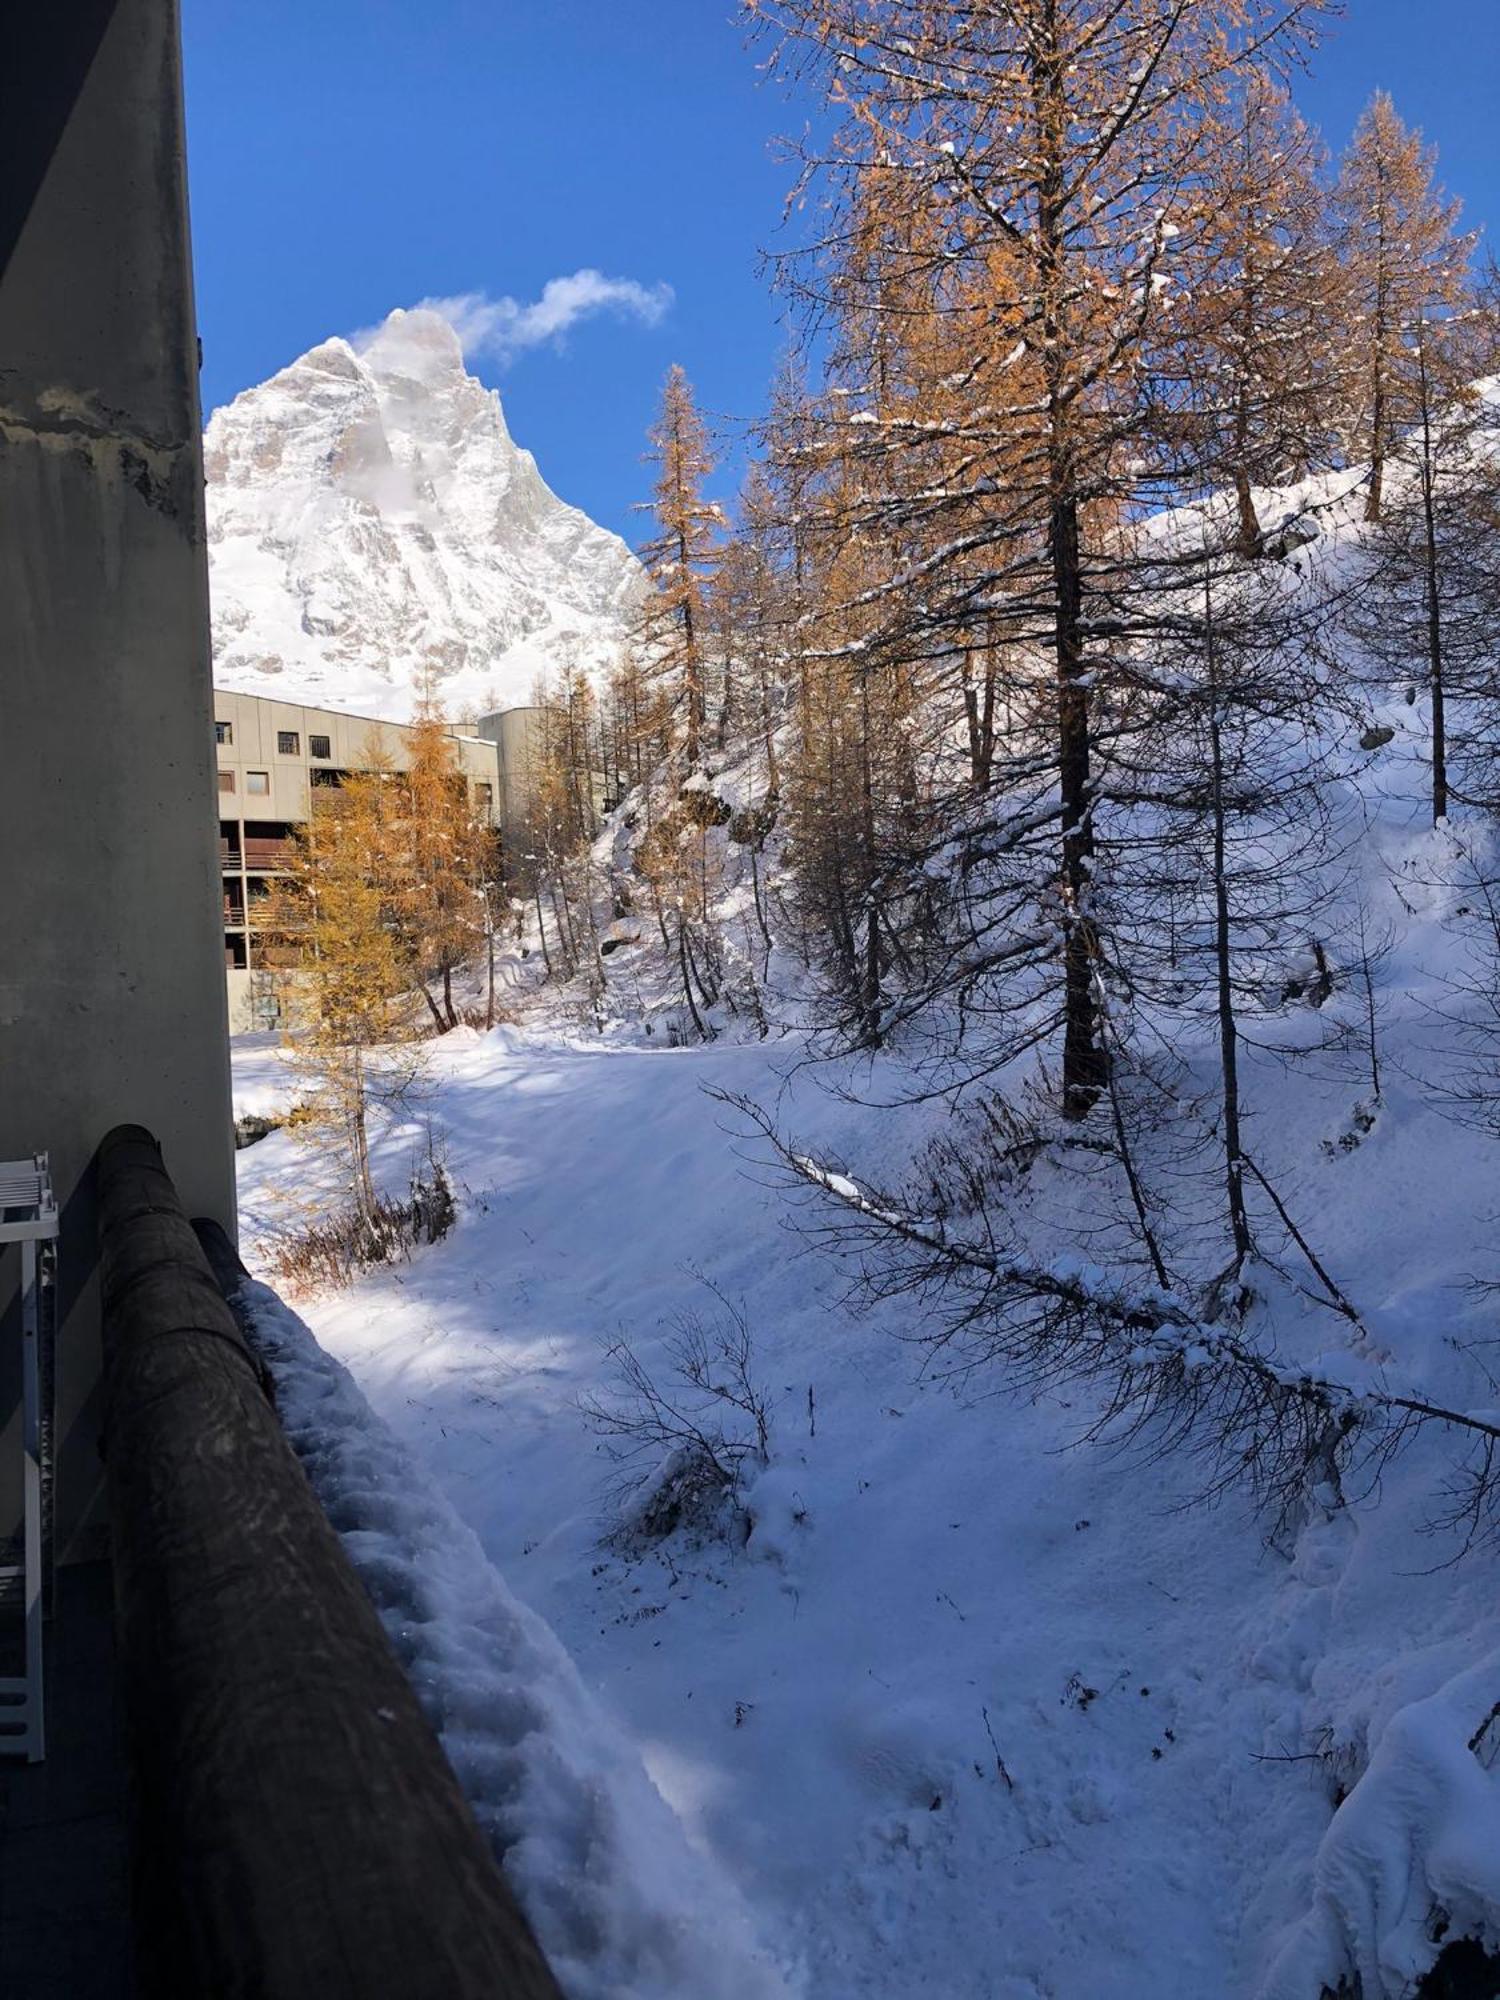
pixel 1041 170
pixel 679 560
pixel 1258 381
pixel 437 873
pixel 347 1005
pixel 636 724
pixel 1425 603
pixel 1403 262
pixel 753 606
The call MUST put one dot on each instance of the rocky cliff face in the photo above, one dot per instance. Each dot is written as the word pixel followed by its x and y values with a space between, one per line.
pixel 371 522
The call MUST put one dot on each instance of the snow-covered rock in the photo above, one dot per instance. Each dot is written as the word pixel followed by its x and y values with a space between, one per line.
pixel 370 518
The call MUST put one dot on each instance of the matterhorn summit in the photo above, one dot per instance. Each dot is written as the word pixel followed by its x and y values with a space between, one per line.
pixel 371 521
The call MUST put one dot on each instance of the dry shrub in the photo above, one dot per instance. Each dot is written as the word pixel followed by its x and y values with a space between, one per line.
pixel 477 1016
pixel 707 1429
pixel 331 1251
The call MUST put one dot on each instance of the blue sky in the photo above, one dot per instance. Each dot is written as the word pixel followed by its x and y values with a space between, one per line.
pixel 347 156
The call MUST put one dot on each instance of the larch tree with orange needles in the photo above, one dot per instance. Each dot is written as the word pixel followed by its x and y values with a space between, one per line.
pixel 1049 161
pixel 679 560
pixel 1404 261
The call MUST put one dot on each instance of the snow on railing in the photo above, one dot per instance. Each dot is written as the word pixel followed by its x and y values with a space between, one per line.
pixel 623 1906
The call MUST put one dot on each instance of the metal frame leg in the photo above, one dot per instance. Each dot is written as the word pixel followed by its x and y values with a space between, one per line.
pixel 21 1700
pixel 28 1218
pixel 31 1446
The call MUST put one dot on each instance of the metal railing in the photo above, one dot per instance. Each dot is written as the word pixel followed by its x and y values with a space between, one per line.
pixel 267 853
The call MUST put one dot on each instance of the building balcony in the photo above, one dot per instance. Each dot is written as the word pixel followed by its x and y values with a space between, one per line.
pixel 267 854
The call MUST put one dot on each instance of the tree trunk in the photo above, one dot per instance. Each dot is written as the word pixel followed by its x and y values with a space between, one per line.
pixel 1234 1171
pixel 1247 540
pixel 1430 563
pixel 541 925
pixel 979 715
pixel 692 665
pixel 1377 385
pixel 987 723
pixel 1084 1060
pixel 973 719
pixel 1248 537
pixel 567 944
pixel 869 994
pixel 1377 447
pixel 359 1141
pixel 760 911
pixel 687 980
pixel 870 1026
pixel 432 1007
pixel 773 775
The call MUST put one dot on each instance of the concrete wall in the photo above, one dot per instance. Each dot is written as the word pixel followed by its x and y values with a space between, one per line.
pixel 520 737
pixel 256 999
pixel 111 956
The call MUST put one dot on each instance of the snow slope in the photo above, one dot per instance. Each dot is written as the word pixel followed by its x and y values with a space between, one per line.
pixel 617 1897
pixel 973 1712
pixel 370 519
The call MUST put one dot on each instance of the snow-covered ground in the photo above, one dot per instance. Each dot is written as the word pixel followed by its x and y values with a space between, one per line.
pixel 975 1711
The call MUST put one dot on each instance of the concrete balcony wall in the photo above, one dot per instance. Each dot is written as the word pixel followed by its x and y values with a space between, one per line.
pixel 112 1004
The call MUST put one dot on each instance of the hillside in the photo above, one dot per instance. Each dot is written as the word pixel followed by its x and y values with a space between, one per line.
pixel 371 520
pixel 961 1703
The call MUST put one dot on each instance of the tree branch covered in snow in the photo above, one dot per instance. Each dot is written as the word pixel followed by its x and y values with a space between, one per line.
pixel 1165 1372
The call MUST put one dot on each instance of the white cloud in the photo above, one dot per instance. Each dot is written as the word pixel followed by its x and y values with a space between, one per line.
pixel 502 328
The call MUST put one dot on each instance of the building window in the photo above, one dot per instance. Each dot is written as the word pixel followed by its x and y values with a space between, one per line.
pixel 226 781
pixel 484 799
pixel 223 732
pixel 327 777
pixel 258 781
pixel 288 743
pixel 318 745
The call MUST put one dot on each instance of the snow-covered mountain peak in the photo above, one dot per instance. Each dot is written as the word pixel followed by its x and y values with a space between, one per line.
pixel 371 519
pixel 418 345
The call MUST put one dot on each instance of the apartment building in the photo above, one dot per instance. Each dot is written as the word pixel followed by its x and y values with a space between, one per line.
pixel 520 739
pixel 273 757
